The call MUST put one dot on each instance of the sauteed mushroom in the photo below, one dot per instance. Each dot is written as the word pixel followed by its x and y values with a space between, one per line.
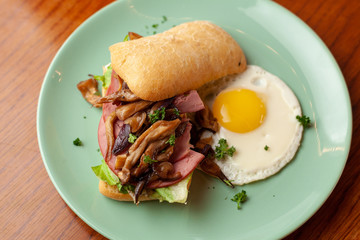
pixel 125 111
pixel 89 90
pixel 158 130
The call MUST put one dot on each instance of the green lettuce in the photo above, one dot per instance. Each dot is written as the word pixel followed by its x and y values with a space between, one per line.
pixel 106 78
pixel 175 193
pixel 104 173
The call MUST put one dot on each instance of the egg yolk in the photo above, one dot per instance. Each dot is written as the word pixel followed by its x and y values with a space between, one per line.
pixel 239 110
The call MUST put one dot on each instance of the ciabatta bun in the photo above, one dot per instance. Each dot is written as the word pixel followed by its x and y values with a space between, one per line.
pixel 148 194
pixel 113 192
pixel 178 60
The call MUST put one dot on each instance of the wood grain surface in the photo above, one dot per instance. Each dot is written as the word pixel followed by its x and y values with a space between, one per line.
pixel 33 31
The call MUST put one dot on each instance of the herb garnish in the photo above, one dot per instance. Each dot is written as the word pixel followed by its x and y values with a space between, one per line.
pixel 149 160
pixel 126 38
pixel 223 149
pixel 239 198
pixel 171 140
pixel 77 142
pixel 164 19
pixel 266 147
pixel 132 138
pixel 176 112
pixel 157 115
pixel 304 120
pixel 156 25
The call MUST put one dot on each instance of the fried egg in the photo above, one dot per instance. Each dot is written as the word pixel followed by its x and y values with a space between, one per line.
pixel 257 115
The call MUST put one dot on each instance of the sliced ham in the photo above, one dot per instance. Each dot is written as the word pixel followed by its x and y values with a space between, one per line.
pixel 113 87
pixel 185 166
pixel 189 102
pixel 103 143
pixel 182 144
pixel 107 109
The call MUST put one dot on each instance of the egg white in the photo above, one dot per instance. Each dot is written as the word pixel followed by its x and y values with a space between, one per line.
pixel 280 130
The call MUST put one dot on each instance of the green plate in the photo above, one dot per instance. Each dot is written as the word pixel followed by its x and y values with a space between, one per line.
pixel 272 38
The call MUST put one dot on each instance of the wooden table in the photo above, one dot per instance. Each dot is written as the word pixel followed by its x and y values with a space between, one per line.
pixel 31 34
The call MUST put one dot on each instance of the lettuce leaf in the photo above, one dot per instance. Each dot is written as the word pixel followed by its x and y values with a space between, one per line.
pixel 125 188
pixel 175 193
pixel 104 173
pixel 107 77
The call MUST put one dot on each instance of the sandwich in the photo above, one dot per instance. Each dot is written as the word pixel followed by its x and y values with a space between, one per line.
pixel 149 131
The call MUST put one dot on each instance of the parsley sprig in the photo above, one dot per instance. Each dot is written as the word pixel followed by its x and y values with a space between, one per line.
pixel 164 19
pixel 157 115
pixel 132 138
pixel 77 142
pixel 149 160
pixel 304 120
pixel 223 149
pixel 176 112
pixel 239 198
pixel 171 140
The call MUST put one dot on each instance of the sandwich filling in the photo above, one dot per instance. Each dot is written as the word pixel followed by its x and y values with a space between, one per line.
pixel 147 144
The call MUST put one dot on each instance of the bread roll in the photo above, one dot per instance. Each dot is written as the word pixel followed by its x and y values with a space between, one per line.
pixel 147 194
pixel 113 192
pixel 175 61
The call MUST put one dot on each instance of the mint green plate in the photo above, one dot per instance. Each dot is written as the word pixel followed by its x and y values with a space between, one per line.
pixel 271 37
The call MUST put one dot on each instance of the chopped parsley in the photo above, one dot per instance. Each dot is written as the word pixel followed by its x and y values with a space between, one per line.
pixel 239 198
pixel 176 112
pixel 84 117
pixel 77 142
pixel 164 19
pixel 156 25
pixel 266 147
pixel 223 149
pixel 149 160
pixel 157 115
pixel 171 140
pixel 132 138
pixel 125 188
pixel 304 120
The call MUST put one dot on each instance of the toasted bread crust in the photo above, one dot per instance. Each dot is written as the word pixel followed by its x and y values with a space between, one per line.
pixel 113 192
pixel 178 60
